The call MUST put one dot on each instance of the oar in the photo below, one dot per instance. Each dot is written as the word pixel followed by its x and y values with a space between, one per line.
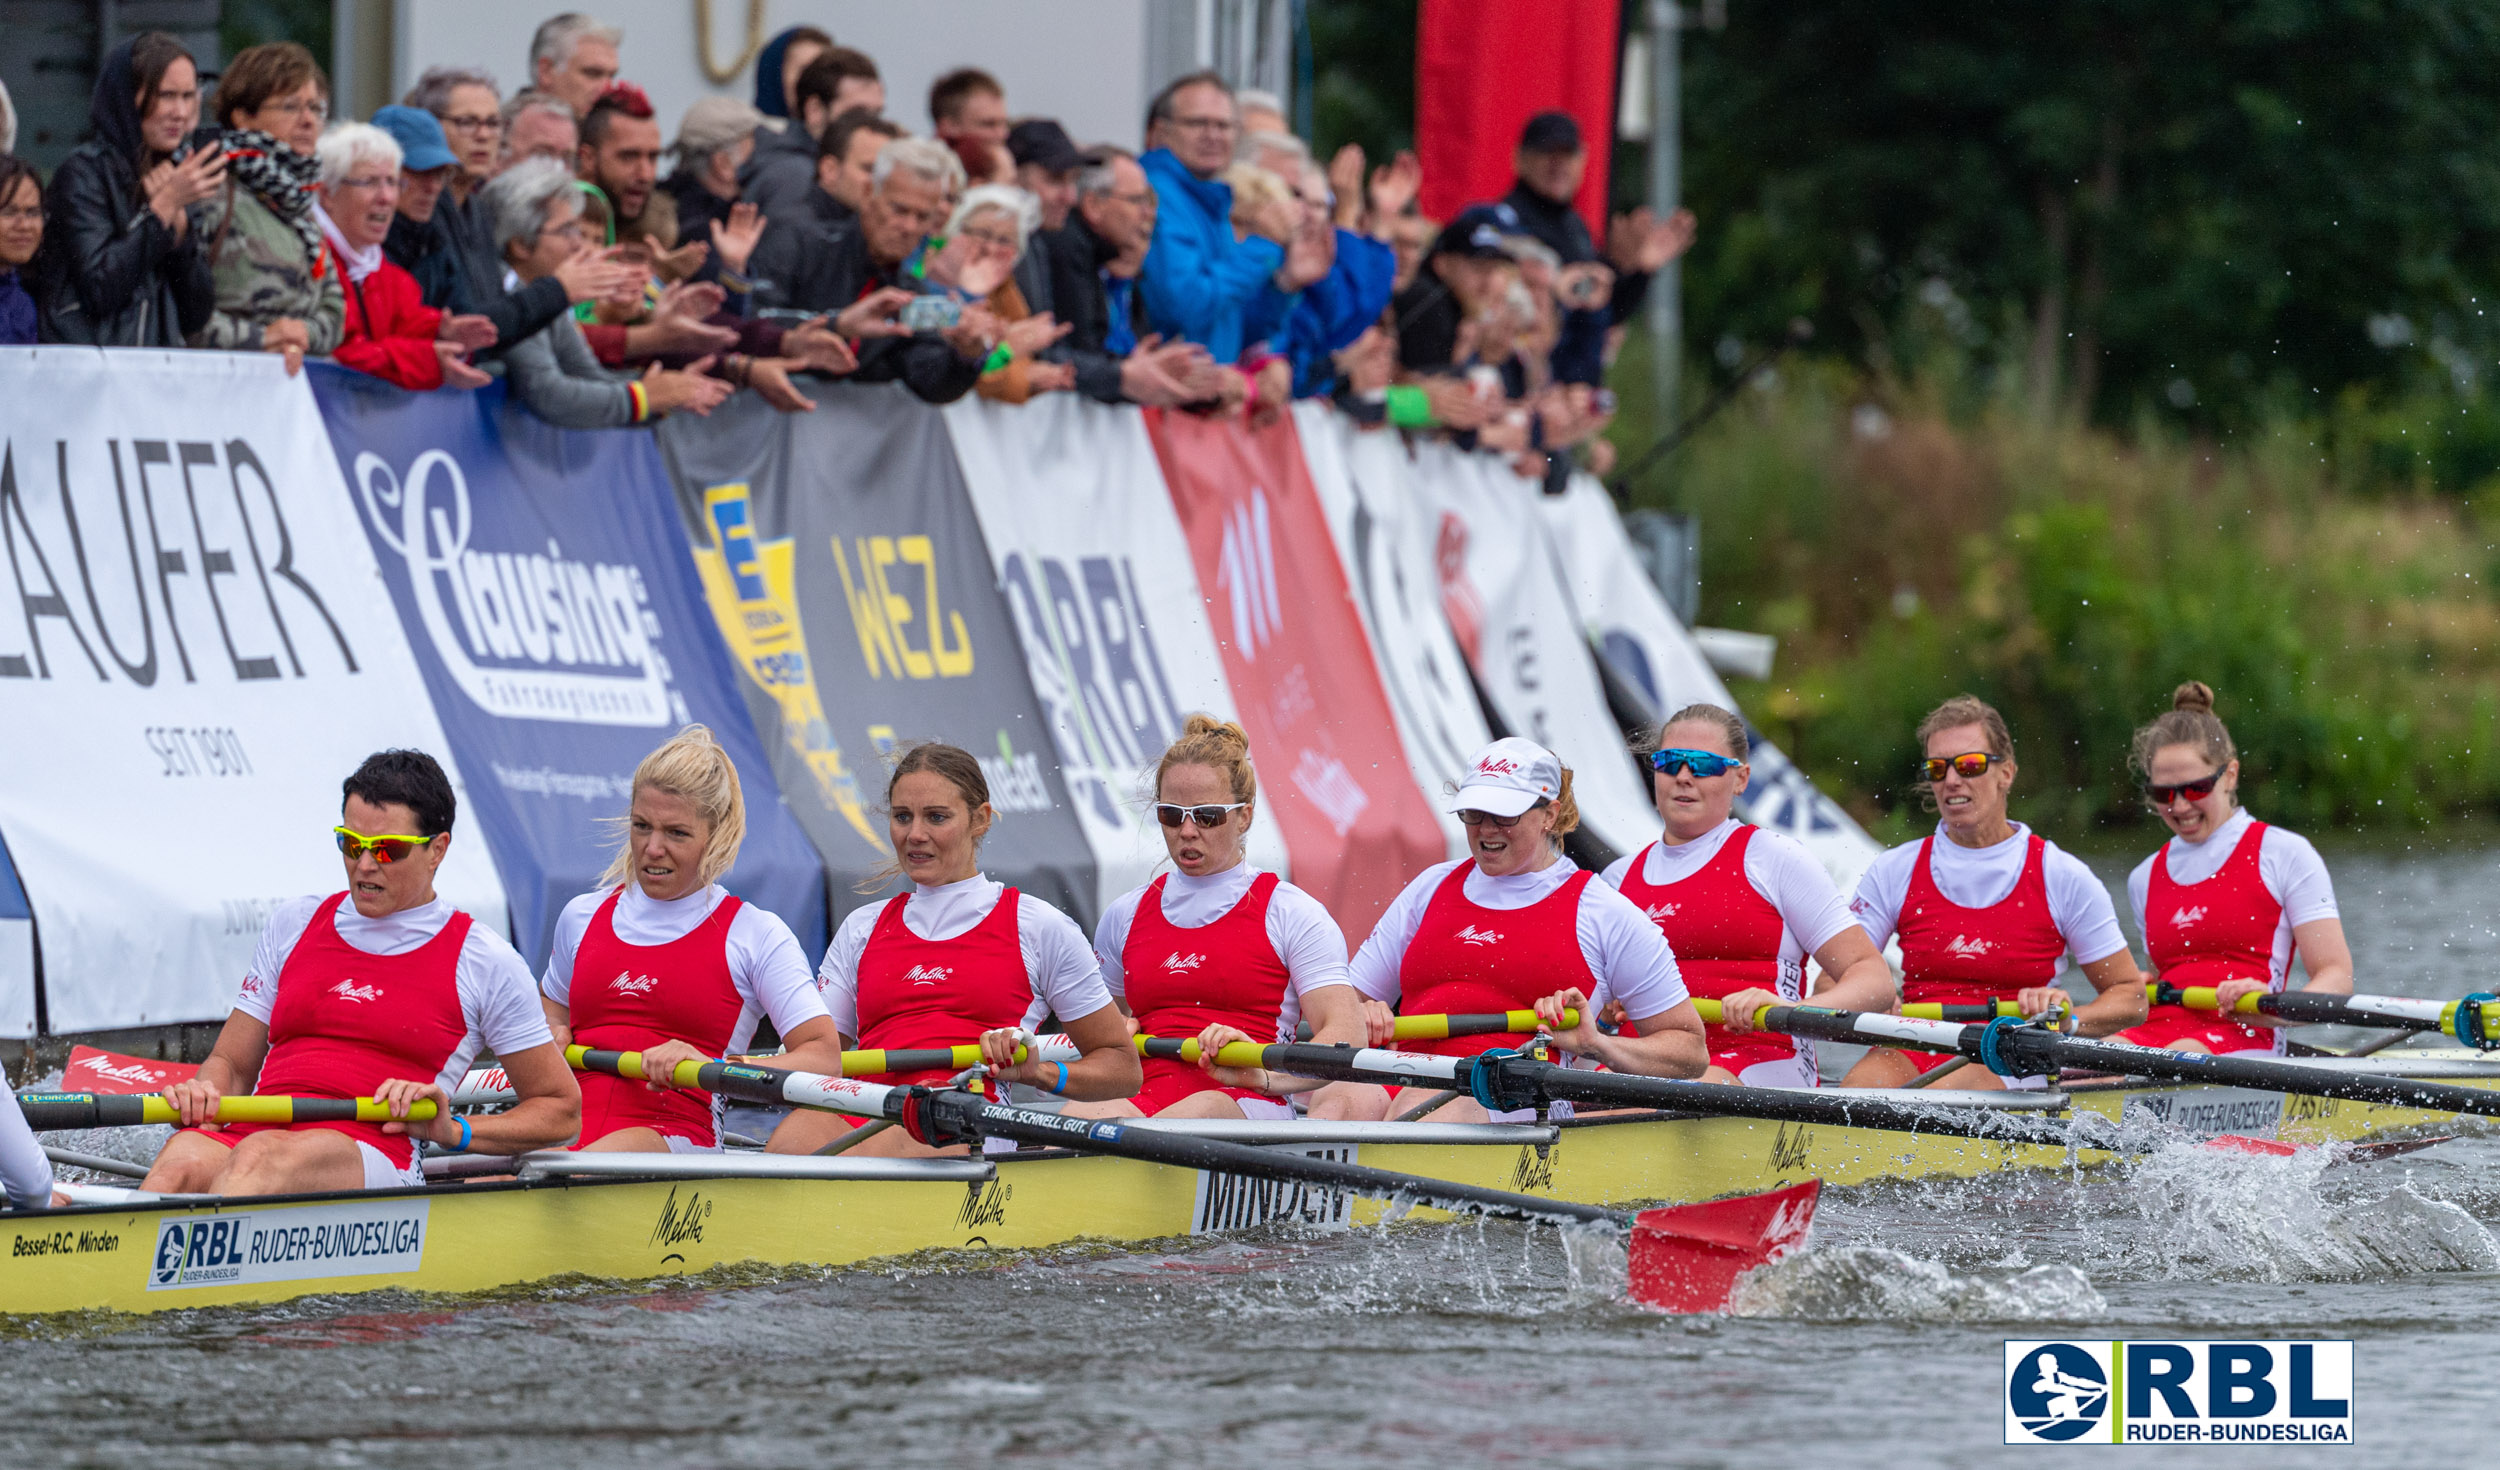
pixel 63 1110
pixel 1664 1263
pixel 2309 1008
pixel 1506 1080
pixel 2030 1050
pixel 1714 1013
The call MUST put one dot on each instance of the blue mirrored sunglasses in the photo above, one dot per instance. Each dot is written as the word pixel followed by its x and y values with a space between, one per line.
pixel 1699 762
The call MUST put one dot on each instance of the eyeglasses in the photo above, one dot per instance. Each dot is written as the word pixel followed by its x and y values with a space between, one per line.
pixel 317 111
pixel 385 850
pixel 2196 790
pixel 1209 817
pixel 1205 124
pixel 1970 767
pixel 375 181
pixel 1471 817
pixel 490 123
pixel 1699 762
pixel 1005 244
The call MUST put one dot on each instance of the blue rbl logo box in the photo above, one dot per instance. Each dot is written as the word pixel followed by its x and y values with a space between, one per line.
pixel 2178 1392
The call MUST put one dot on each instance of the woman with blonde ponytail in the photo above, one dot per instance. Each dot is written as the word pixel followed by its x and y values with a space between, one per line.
pixel 661 959
pixel 1217 949
pixel 1516 926
pixel 2228 900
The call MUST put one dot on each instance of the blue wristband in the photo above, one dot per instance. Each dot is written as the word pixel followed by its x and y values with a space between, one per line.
pixel 1062 1088
pixel 466 1134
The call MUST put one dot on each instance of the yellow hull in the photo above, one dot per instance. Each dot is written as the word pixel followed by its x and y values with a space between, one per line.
pixel 478 1237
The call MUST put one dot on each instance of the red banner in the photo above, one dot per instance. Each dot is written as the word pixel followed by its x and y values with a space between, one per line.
pixel 90 1070
pixel 1331 772
pixel 1484 67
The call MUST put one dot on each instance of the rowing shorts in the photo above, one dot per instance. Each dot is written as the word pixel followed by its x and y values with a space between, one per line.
pixel 380 1172
pixel 2178 1023
pixel 1928 1061
pixel 1754 1067
pixel 1167 1082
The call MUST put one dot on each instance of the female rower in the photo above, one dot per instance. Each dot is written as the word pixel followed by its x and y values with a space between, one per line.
pixel 1515 926
pixel 381 991
pixel 1986 910
pixel 1742 907
pixel 1217 949
pixel 2229 900
pixel 670 965
pixel 960 958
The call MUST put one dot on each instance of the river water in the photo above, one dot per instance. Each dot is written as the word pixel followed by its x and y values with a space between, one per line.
pixel 1420 1345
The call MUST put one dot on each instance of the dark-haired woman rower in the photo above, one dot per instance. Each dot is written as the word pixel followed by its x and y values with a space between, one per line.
pixel 1988 910
pixel 2229 900
pixel 1217 949
pixel 960 958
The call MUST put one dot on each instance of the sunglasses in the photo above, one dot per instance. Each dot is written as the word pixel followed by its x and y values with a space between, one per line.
pixel 385 850
pixel 1969 767
pixel 2196 790
pixel 1209 817
pixel 1474 818
pixel 1699 762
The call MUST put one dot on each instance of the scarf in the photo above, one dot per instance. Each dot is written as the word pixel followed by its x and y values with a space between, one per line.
pixel 279 177
pixel 359 263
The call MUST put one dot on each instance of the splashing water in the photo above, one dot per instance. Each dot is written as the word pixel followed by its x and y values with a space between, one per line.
pixel 1869 1283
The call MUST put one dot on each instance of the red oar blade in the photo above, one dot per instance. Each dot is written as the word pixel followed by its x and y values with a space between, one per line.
pixel 90 1070
pixel 2242 1143
pixel 1686 1258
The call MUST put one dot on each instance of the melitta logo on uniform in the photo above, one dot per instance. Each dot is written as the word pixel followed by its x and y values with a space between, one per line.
pixel 1184 961
pixel 1470 934
pixel 525 633
pixel 2185 917
pixel 348 989
pixel 927 974
pixel 1497 766
pixel 1963 944
pixel 2179 1392
pixel 1660 911
pixel 288 1244
pixel 629 983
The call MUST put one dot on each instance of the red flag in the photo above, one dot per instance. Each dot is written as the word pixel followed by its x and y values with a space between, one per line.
pixel 1484 67
pixel 1331 772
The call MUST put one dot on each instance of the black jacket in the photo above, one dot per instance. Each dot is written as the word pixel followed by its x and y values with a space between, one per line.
pixel 1579 357
pixel 799 268
pixel 780 170
pixel 1076 257
pixel 453 258
pixel 113 274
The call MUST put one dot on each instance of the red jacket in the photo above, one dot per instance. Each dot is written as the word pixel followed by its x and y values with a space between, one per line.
pixel 390 329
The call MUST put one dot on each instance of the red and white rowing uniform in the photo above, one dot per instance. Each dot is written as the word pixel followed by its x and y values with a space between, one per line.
pixel 1240 947
pixel 1742 909
pixel 703 969
pixel 2224 909
pixel 1983 924
pixel 353 1002
pixel 1457 940
pixel 940 965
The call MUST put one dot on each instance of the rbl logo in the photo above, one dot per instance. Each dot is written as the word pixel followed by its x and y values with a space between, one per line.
pixel 2196 1392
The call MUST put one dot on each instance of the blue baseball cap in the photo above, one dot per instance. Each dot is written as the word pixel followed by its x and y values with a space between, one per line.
pixel 422 147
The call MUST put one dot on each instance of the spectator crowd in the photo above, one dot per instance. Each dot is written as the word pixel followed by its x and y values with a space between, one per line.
pixel 612 276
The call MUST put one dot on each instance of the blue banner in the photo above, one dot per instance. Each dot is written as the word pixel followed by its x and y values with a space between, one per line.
pixel 545 584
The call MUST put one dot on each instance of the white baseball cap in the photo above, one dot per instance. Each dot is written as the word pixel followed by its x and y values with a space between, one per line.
pixel 1510 776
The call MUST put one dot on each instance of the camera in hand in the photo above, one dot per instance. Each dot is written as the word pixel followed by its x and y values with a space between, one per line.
pixel 931 313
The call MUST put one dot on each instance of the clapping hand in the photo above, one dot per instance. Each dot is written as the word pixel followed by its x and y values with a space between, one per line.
pixel 735 237
pixel 1640 242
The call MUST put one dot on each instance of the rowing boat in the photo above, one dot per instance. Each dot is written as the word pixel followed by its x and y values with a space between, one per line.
pixel 622 1217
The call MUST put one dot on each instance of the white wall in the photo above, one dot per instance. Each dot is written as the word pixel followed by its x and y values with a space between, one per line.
pixel 1081 61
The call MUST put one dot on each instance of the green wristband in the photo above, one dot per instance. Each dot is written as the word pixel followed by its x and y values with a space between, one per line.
pixel 1409 408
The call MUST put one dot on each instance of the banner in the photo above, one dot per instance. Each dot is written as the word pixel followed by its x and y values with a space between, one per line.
pixel 196 661
pixel 544 584
pixel 1484 67
pixel 1636 634
pixel 844 565
pixel 1385 538
pixel 1098 580
pixel 1518 627
pixel 17 953
pixel 1331 772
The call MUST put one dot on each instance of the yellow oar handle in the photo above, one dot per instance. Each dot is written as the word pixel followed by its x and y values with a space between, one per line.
pixel 292 1110
pixel 1929 1010
pixel 1235 1054
pixel 2206 998
pixel 1409 1028
pixel 869 1063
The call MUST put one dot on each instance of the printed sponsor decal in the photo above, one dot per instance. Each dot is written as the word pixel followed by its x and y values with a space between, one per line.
pixel 1235 1202
pixel 39 1244
pixel 1470 934
pixel 2186 916
pixel 985 1203
pixel 2178 1392
pixel 348 989
pixel 629 983
pixel 90 1070
pixel 1660 911
pixel 2205 1111
pixel 928 974
pixel 1965 945
pixel 681 1220
pixel 298 1243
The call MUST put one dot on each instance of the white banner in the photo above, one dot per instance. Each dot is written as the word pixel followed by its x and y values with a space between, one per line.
pixel 1637 634
pixel 1098 578
pixel 1518 626
pixel 205 651
pixel 1386 537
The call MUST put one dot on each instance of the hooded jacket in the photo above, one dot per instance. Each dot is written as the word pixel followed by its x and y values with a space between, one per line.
pixel 116 276
pixel 1199 282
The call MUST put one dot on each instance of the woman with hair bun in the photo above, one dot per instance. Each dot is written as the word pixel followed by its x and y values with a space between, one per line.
pixel 1743 908
pixel 1217 949
pixel 2228 900
pixel 1515 926
pixel 960 959
pixel 1988 910
pixel 660 959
